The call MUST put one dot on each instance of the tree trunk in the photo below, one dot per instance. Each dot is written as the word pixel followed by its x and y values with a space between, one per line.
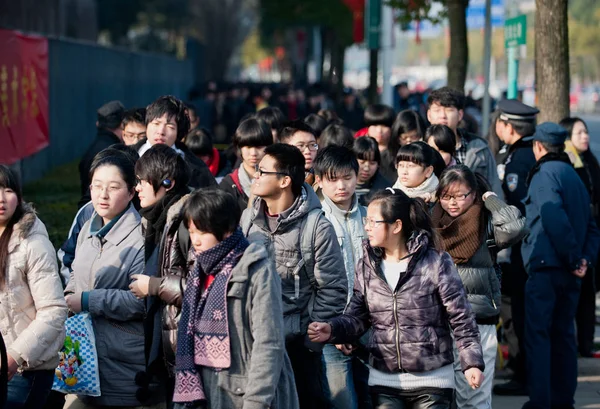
pixel 373 67
pixel 552 59
pixel 459 47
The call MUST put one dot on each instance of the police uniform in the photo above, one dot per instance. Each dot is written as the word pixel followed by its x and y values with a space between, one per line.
pixel 513 171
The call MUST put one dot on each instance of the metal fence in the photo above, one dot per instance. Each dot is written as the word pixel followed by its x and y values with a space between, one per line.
pixel 82 77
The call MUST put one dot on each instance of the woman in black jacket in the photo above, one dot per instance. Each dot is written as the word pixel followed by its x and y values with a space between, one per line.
pixel 587 167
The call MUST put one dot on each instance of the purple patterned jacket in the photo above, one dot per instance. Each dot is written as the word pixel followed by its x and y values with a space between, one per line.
pixel 411 326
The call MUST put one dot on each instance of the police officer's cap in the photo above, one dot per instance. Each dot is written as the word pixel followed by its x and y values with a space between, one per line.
pixel 550 133
pixel 516 110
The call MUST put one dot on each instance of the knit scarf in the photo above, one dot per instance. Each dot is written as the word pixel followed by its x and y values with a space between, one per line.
pixel 156 218
pixel 214 162
pixel 462 236
pixel 425 190
pixel 203 334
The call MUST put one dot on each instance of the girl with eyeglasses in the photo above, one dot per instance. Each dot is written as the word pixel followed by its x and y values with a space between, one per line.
pixel 473 224
pixel 408 293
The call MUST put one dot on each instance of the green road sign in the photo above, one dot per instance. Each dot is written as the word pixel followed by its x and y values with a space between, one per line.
pixel 515 31
pixel 373 23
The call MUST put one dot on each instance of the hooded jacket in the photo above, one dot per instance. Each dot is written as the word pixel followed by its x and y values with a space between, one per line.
pixel 32 307
pixel 302 303
pixel 410 331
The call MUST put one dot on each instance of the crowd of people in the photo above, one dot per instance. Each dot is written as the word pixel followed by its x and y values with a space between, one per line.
pixel 325 259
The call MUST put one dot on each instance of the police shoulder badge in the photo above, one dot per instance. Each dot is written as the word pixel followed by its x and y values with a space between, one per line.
pixel 512 181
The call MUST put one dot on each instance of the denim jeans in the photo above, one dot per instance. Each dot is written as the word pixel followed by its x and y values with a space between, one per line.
pixel 29 390
pixel 338 382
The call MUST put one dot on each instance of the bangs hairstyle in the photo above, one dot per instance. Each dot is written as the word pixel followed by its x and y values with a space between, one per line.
pixel 289 129
pixel 443 137
pixel 461 174
pixel 418 153
pixel 379 114
pixel 122 159
pixel 446 97
pixel 174 109
pixel 200 142
pixel 254 133
pixel 412 212
pixel 569 123
pixel 406 121
pixel 367 148
pixel 9 180
pixel 273 117
pixel 161 162
pixel 289 161
pixel 213 211
pixel 336 135
pixel 135 115
pixel 335 161
pixel 316 123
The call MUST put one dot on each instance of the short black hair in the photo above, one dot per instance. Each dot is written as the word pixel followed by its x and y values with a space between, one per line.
pixel 273 116
pixel 161 162
pixel 317 124
pixel 214 211
pixel 173 108
pixel 252 132
pixel 406 121
pixel 137 115
pixel 119 159
pixel 200 142
pixel 446 97
pixel 521 127
pixel 553 148
pixel 417 152
pixel 289 129
pixel 379 114
pixel 289 161
pixel 334 161
pixel 367 148
pixel 336 135
pixel 444 138
pixel 330 116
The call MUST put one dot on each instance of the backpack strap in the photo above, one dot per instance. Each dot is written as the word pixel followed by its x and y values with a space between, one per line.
pixel 307 243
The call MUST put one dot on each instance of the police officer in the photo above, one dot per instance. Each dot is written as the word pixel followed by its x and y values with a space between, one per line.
pixel 563 241
pixel 515 127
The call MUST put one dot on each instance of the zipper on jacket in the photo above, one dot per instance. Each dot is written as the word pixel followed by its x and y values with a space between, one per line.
pixel 397 333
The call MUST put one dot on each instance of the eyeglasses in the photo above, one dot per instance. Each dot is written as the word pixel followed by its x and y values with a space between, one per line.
pixel 372 223
pixel 261 172
pixel 311 147
pixel 458 198
pixel 98 188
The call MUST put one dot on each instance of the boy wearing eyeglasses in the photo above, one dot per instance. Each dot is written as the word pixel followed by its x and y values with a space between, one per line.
pixel 303 137
pixel 286 217
pixel 336 170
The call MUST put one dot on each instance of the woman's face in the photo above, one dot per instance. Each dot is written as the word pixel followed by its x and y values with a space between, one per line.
pixel 8 204
pixel 376 228
pixel 412 175
pixel 445 155
pixel 110 195
pixel 251 156
pixel 366 170
pixel 580 137
pixel 409 137
pixel 457 199
pixel 201 241
pixel 146 193
pixel 381 134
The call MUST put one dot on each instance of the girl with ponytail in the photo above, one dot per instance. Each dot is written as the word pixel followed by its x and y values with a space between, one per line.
pixel 471 219
pixel 409 294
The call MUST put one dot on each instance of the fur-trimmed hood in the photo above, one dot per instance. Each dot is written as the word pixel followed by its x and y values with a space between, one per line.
pixel 26 227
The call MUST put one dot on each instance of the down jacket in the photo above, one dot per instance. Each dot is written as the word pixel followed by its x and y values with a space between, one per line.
pixel 410 331
pixel 302 302
pixel 32 307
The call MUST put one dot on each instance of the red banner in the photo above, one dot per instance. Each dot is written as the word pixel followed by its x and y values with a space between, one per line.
pixel 357 7
pixel 23 95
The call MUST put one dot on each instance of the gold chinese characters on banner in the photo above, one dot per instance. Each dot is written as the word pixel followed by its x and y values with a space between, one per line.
pixel 18 94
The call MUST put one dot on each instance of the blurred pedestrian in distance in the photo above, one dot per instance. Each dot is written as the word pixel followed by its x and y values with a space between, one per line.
pixel 192 112
pixel 200 142
pixel 274 117
pixel 317 123
pixel 338 135
pixel 32 308
pixel 330 116
pixel 109 132
pixel 350 111
pixel 408 127
pixel 134 126
pixel 378 121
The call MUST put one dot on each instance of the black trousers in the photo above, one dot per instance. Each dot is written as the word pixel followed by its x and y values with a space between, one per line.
pixel 586 314
pixel 517 300
pixel 308 374
pixel 430 398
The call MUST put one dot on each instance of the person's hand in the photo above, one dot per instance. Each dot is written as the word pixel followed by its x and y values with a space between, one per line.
pixel 13 367
pixel 345 348
pixel 474 377
pixel 582 270
pixel 140 285
pixel 319 332
pixel 74 302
